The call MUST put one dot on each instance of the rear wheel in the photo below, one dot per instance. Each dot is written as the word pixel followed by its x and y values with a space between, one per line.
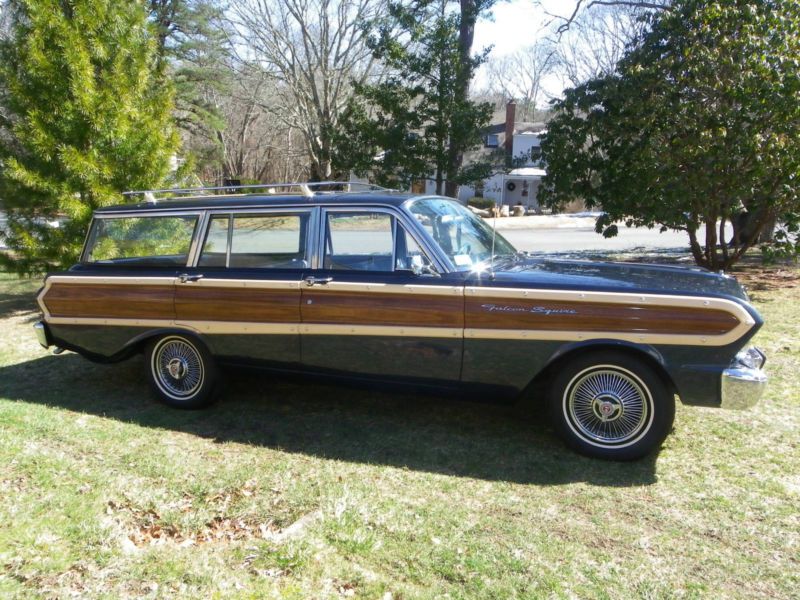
pixel 612 406
pixel 181 371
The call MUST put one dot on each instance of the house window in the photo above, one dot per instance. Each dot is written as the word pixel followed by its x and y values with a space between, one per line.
pixel 492 140
pixel 536 154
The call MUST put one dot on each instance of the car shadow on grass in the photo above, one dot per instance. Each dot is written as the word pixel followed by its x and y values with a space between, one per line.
pixel 406 430
pixel 11 304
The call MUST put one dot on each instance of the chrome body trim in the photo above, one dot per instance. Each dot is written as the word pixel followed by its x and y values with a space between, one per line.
pixel 41 334
pixel 196 246
pixel 306 188
pixel 391 288
pixel 742 386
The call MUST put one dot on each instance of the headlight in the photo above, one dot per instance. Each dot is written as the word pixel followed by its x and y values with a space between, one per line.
pixel 751 357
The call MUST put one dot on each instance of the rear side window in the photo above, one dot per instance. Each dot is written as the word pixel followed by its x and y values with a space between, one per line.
pixel 258 241
pixel 141 241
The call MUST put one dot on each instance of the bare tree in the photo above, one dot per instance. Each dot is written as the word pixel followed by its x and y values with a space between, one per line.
pixel 313 51
pixel 596 41
pixel 519 76
pixel 564 23
pixel 252 143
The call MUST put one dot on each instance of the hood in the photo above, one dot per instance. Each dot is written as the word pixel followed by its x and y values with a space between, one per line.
pixel 620 277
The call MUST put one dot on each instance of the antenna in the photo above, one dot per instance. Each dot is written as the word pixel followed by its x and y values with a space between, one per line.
pixel 494 236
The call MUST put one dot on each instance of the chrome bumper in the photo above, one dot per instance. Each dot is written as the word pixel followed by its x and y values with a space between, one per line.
pixel 744 382
pixel 42 334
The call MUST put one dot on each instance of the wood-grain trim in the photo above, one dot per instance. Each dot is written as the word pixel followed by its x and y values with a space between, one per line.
pixel 590 316
pixel 109 300
pixel 513 313
pixel 78 280
pixel 611 298
pixel 343 307
pixel 244 304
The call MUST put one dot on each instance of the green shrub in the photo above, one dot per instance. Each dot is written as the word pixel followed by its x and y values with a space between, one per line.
pixel 481 203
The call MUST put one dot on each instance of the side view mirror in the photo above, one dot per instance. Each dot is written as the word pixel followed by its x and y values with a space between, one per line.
pixel 421 266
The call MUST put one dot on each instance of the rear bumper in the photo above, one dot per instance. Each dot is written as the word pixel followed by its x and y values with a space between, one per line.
pixel 43 334
pixel 744 382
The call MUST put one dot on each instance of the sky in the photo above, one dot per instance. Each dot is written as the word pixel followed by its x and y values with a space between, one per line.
pixel 516 24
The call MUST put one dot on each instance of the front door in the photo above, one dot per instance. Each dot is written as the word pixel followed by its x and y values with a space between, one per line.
pixel 243 295
pixel 375 307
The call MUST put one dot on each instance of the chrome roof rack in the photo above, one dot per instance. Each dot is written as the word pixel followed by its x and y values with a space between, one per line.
pixel 307 189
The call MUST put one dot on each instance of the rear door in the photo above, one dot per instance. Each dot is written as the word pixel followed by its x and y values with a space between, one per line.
pixel 373 307
pixel 243 294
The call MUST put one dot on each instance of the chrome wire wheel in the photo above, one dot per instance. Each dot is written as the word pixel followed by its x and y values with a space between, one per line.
pixel 177 368
pixel 608 406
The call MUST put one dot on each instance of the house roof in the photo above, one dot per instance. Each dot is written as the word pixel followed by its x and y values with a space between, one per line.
pixel 499 129
pixel 527 172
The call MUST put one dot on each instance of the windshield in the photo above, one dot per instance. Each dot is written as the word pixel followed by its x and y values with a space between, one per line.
pixel 462 235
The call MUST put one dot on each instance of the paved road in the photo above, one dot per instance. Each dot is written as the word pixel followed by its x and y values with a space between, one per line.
pixel 585 239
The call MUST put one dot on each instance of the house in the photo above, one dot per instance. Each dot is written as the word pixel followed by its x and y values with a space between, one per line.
pixel 508 138
pixel 507 141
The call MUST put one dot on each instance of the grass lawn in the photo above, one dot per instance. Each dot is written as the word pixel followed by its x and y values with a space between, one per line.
pixel 312 491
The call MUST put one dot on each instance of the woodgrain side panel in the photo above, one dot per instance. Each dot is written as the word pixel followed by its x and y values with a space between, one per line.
pixel 237 304
pixel 369 308
pixel 543 315
pixel 108 300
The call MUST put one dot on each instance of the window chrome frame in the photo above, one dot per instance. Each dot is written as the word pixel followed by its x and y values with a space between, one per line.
pixel 232 213
pixel 199 223
pixel 315 236
pixel 399 217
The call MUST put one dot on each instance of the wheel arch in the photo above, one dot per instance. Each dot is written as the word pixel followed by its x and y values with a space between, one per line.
pixel 137 344
pixel 568 352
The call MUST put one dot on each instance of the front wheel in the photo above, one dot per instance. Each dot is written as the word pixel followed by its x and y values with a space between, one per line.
pixel 611 406
pixel 181 371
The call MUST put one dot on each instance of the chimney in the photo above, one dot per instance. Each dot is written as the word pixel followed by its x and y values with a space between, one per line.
pixel 511 117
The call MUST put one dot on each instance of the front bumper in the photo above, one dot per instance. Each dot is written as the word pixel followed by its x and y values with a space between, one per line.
pixel 744 382
pixel 42 334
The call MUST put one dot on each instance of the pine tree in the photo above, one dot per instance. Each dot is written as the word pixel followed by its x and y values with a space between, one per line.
pixel 87 115
pixel 417 120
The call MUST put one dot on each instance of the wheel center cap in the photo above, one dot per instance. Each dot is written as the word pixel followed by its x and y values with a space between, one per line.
pixel 607 408
pixel 177 368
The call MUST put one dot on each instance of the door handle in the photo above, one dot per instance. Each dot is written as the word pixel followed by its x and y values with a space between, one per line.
pixel 311 280
pixel 184 277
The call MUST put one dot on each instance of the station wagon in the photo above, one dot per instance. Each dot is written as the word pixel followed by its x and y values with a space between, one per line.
pixel 362 283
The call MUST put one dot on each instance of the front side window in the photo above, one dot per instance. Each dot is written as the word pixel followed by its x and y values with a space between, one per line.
pixel 141 241
pixel 359 241
pixel 256 241
pixel 371 241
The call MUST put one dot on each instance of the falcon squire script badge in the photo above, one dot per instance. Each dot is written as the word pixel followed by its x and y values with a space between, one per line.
pixel 537 310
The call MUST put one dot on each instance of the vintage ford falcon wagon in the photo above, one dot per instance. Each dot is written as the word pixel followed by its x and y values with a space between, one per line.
pixel 395 287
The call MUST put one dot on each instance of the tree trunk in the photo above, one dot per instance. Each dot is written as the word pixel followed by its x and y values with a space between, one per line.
pixel 466 36
pixel 712 257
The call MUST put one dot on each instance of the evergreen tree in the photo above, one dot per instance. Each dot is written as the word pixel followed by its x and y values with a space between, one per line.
pixel 699 127
pixel 192 42
pixel 410 125
pixel 88 115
